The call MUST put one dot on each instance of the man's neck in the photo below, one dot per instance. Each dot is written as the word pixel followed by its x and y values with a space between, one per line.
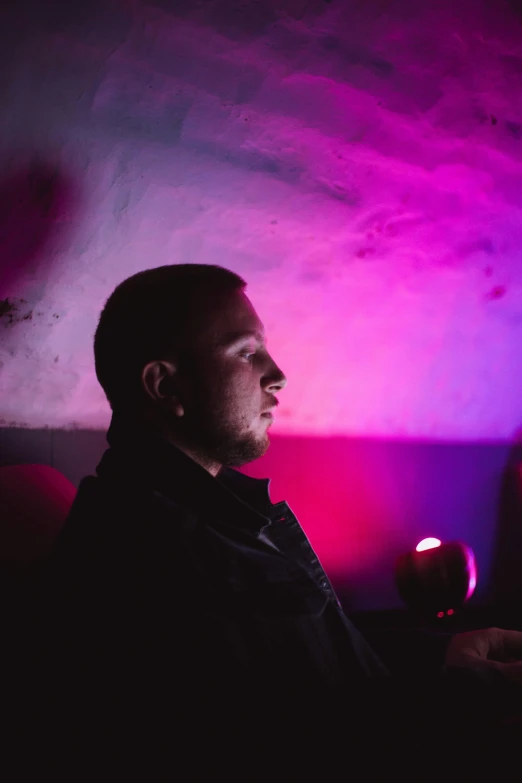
pixel 155 428
pixel 209 465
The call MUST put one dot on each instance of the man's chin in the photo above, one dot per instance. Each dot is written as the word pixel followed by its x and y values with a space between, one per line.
pixel 246 452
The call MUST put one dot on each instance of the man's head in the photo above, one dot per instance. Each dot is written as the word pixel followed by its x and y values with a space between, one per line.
pixel 182 349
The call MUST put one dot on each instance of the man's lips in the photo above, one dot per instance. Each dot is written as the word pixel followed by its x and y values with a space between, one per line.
pixel 269 411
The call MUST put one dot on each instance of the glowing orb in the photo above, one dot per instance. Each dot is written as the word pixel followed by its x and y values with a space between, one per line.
pixel 427 543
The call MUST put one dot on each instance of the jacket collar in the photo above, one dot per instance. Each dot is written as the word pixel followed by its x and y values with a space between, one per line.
pixel 137 455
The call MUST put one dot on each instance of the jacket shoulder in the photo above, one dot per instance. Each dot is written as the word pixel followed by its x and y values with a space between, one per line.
pixel 105 512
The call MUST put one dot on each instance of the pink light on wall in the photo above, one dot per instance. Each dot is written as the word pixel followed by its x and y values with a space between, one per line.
pixel 359 165
pixel 356 163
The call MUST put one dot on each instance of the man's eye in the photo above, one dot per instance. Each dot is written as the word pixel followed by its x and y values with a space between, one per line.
pixel 248 356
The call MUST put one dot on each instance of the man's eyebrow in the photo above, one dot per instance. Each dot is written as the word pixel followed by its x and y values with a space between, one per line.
pixel 235 337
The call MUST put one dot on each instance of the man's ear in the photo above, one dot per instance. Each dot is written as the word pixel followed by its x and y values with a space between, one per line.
pixel 159 380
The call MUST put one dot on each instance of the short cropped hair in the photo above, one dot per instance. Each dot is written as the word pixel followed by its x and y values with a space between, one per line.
pixel 146 318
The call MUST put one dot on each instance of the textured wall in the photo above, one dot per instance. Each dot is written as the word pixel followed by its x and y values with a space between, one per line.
pixel 360 163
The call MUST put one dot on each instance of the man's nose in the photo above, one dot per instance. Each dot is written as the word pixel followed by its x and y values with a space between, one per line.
pixel 275 379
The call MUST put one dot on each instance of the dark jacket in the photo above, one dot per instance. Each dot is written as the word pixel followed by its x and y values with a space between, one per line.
pixel 181 611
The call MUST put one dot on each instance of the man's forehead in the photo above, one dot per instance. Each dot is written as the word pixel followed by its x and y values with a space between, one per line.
pixel 235 319
pixel 241 321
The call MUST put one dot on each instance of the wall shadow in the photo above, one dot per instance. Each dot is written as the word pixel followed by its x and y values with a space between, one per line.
pixel 37 201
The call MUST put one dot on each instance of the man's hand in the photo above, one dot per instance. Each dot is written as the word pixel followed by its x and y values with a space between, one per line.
pixel 492 648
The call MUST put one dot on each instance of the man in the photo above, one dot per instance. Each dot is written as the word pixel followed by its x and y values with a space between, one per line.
pixel 181 605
